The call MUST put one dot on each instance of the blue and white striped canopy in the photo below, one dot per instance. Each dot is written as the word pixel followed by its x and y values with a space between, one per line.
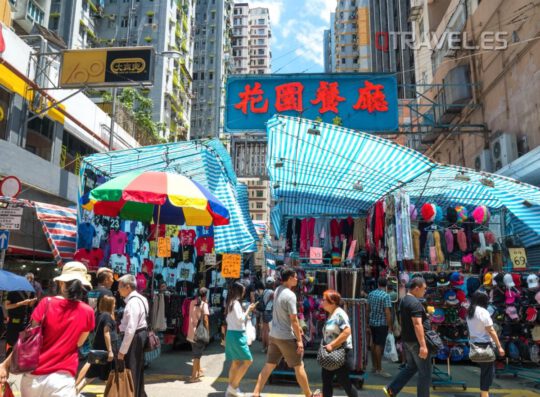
pixel 206 162
pixel 318 169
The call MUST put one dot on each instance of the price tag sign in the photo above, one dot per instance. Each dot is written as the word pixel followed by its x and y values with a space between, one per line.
pixel 352 248
pixel 231 265
pixel 518 258
pixel 316 255
pixel 210 260
pixel 164 247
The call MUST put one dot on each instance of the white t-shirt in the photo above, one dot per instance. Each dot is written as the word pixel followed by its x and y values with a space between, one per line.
pixel 119 263
pixel 135 265
pixel 186 270
pixel 145 250
pixel 139 229
pixel 100 232
pixel 175 244
pixel 236 318
pixel 477 326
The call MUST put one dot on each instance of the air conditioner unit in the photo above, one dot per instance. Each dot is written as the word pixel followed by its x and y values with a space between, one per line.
pixel 504 150
pixel 483 162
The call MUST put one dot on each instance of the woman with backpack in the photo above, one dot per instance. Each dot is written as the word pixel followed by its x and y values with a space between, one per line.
pixel 236 343
pixel 198 311
pixel 266 305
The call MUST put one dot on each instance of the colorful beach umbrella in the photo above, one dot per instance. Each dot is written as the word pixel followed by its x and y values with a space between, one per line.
pixel 143 196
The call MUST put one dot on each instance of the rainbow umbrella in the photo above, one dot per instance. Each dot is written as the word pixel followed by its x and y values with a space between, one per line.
pixel 165 197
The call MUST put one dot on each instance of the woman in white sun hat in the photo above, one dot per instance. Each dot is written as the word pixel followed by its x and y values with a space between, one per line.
pixel 66 322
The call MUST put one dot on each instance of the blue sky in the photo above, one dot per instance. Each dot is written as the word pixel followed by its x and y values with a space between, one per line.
pixel 297 33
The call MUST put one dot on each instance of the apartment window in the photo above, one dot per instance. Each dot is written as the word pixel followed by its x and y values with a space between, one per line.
pixel 211 60
pixel 260 51
pixel 135 20
pixel 202 76
pixel 258 217
pixel 125 1
pixel 343 61
pixel 113 1
pixel 150 19
pixel 201 91
pixel 260 21
pixel 53 23
pixel 73 148
pixel 5 102
pixel 260 193
pixel 85 6
pixel 210 75
pixel 34 13
pixel 259 206
pixel 213 15
pixel 260 61
pixel 39 137
pixel 260 31
pixel 260 41
pixel 124 22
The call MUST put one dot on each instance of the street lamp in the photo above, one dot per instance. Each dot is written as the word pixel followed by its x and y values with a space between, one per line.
pixel 170 54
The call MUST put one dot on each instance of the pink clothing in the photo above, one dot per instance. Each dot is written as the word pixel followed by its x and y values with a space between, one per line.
pixel 307 233
pixel 118 242
pixel 195 314
pixel 187 237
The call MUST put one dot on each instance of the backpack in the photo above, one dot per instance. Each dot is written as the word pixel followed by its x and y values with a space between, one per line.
pixel 262 306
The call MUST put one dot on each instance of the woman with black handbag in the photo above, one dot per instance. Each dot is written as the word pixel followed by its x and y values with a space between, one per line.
pixel 481 338
pixel 335 353
pixel 198 317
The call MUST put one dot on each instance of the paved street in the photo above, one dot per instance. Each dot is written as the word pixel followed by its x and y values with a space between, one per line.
pixel 166 377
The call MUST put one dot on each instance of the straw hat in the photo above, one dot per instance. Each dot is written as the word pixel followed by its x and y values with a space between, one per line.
pixel 74 271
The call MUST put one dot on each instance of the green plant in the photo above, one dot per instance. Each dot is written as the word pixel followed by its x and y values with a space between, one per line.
pixel 148 39
pixel 150 13
pixel 337 120
pixel 142 108
pixel 55 15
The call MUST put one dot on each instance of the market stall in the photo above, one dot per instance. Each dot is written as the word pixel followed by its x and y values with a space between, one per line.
pixel 348 199
pixel 172 246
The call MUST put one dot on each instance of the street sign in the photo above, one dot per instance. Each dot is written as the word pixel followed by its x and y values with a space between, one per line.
pixel 10 218
pixel 4 239
pixel 10 186
pixel 362 101
pixel 107 67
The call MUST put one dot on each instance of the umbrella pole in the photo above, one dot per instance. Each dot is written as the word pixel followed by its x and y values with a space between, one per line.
pixel 156 237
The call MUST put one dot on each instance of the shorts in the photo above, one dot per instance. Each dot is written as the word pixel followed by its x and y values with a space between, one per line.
pixel 197 349
pixel 57 384
pixel 286 348
pixel 267 316
pixel 379 334
pixel 236 346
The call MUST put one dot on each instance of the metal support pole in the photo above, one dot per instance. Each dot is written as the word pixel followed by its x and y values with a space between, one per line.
pixel 2 258
pixel 113 113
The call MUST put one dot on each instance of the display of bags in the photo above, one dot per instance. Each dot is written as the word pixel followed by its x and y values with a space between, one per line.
pixel 25 357
pixel 331 360
pixel 120 382
pixel 390 351
pixel 481 353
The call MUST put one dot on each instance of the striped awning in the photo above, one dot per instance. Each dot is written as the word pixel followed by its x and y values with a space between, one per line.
pixel 317 169
pixel 206 162
pixel 60 227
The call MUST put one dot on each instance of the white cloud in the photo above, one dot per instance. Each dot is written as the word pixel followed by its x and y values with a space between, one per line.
pixel 321 8
pixel 309 39
pixel 275 8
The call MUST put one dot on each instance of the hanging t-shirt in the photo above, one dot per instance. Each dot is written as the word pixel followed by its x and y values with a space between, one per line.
pixel 129 245
pixel 139 229
pixel 172 230
pixel 175 244
pixel 217 279
pixel 136 244
pixel 90 258
pixel 99 235
pixel 148 266
pixel 135 265
pixel 170 275
pixel 161 232
pixel 153 248
pixel 86 233
pixel 145 250
pixel 118 241
pixel 119 263
pixel 205 231
pixel 204 245
pixel 187 237
pixel 186 270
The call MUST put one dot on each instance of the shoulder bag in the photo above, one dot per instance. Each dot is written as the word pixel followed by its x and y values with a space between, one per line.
pixel 152 341
pixel 26 351
pixel 481 352
pixel 201 332
pixel 120 382
pixel 331 360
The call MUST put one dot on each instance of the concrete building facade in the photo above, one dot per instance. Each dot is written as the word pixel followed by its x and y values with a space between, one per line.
pixel 496 89
pixel 212 64
pixel 163 24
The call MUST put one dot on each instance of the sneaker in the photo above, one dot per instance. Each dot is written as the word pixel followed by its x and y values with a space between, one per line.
pixel 384 374
pixel 387 392
pixel 232 392
pixel 316 393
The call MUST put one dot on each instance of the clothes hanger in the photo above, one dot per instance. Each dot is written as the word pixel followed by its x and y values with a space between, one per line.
pixel 432 228
pixel 480 229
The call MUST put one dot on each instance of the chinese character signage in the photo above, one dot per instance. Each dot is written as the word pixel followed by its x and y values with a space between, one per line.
pixel 362 101
pixel 231 265
pixel 164 247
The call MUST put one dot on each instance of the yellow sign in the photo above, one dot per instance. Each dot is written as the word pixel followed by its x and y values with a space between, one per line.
pixel 103 67
pixel 164 247
pixel 518 258
pixel 231 265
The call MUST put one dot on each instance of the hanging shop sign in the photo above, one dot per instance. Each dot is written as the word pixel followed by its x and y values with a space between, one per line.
pixel 107 67
pixel 231 265
pixel 363 101
pixel 164 247
pixel 10 218
pixel 210 260
pixel 518 258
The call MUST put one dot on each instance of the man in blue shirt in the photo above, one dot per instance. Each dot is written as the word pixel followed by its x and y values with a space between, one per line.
pixel 380 323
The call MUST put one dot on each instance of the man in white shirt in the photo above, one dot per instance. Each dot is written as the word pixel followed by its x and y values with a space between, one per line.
pixel 134 330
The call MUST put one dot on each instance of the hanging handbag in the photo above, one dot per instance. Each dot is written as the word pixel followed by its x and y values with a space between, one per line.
pixel 481 352
pixel 25 357
pixel 152 341
pixel 201 332
pixel 120 382
pixel 331 360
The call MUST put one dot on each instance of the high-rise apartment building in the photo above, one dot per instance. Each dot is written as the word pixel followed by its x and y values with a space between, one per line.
pixel 211 66
pixel 251 40
pixel 162 24
pixel 27 13
pixel 351 36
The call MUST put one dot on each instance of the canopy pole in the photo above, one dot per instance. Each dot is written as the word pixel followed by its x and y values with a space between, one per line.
pixel 425 186
pixel 156 237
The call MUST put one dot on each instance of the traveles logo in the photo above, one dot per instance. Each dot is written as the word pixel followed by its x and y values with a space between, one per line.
pixel 128 65
pixel 386 41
